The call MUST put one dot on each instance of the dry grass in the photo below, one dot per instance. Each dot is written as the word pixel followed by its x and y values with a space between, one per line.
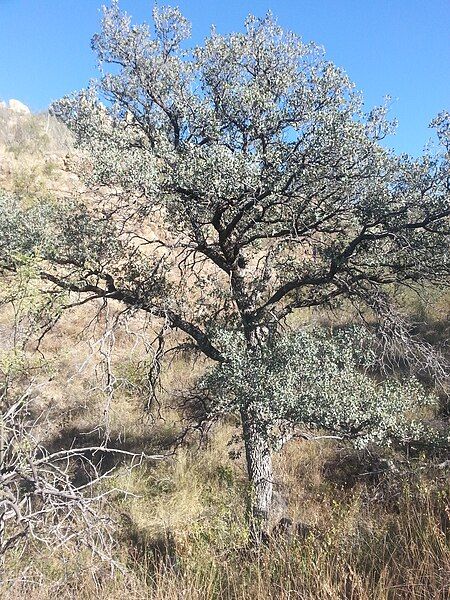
pixel 181 530
pixel 394 548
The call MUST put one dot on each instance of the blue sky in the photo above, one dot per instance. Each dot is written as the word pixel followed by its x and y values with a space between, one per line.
pixel 396 47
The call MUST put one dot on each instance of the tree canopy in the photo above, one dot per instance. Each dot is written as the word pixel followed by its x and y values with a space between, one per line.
pixel 232 184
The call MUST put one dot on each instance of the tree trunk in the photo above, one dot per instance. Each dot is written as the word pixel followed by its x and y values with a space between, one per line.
pixel 260 474
pixel 257 448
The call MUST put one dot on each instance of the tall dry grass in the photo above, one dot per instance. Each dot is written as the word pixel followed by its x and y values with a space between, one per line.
pixel 182 534
pixel 181 529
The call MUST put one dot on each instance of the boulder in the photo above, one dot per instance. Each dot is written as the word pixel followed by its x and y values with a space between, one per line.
pixel 18 107
pixel 288 529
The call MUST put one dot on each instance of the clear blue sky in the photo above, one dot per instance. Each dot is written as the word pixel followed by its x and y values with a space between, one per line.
pixel 396 47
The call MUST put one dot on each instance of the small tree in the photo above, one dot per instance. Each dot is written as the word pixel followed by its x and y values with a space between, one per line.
pixel 236 183
pixel 42 497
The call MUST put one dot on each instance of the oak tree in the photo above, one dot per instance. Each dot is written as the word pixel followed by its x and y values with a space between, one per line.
pixel 231 185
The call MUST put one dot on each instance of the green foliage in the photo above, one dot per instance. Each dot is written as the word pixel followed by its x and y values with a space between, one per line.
pixel 67 234
pixel 317 380
pixel 26 184
pixel 254 137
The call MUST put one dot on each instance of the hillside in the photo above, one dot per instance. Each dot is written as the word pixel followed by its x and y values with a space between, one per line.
pixel 32 152
pixel 349 523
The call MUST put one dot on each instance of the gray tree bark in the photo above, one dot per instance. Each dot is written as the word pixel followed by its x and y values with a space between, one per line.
pixel 258 451
pixel 258 455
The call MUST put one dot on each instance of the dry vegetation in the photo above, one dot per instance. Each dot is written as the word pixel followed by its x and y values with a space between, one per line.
pixel 369 530
pixel 32 151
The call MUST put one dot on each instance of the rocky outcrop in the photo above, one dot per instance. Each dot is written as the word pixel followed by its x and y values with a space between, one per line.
pixel 18 107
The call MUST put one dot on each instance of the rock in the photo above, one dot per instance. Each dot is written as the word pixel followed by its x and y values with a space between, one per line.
pixel 18 107
pixel 2 104
pixel 279 506
pixel 287 529
pixel 284 528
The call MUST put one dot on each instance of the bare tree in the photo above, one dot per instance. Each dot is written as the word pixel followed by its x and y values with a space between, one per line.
pixel 39 498
pixel 54 497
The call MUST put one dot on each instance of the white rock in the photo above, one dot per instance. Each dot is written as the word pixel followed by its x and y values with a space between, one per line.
pixel 2 104
pixel 18 107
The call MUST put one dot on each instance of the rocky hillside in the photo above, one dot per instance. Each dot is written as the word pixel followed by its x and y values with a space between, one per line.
pixel 33 148
pixel 351 524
